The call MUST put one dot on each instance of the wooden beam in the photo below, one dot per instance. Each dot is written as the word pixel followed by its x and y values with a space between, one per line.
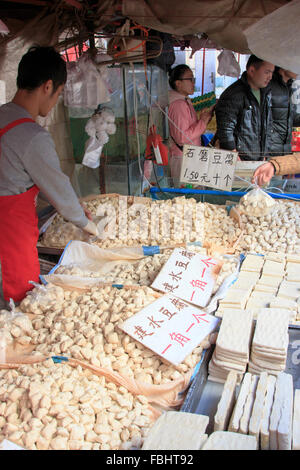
pixel 41 3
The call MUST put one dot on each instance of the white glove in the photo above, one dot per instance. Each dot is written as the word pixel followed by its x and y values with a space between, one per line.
pixel 91 228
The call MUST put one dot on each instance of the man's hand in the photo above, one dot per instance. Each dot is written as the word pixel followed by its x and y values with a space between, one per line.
pixel 91 228
pixel 88 214
pixel 263 174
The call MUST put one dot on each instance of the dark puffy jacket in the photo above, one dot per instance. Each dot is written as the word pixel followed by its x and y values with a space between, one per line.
pixel 241 123
pixel 284 115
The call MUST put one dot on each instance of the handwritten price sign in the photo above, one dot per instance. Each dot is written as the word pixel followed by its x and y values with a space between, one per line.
pixel 187 275
pixel 207 166
pixel 170 327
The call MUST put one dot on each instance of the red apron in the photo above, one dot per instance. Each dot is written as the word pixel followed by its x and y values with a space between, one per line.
pixel 18 238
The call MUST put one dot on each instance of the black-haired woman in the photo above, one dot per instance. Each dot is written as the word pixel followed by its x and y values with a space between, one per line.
pixel 184 126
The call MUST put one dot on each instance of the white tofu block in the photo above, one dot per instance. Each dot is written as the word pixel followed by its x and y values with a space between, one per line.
pixel 251 277
pixel 296 422
pixel 259 302
pixel 271 329
pixel 234 424
pixel 273 268
pixel 280 420
pixel 292 258
pixel 273 256
pixel 257 411
pixel 175 430
pixel 226 403
pixel 266 413
pixel 245 419
pixel 235 332
pixel 284 431
pixel 269 281
pixel 265 289
pixel 287 304
pixel 224 440
pixel 236 297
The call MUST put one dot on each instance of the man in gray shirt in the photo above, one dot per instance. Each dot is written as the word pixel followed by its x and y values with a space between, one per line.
pixel 29 164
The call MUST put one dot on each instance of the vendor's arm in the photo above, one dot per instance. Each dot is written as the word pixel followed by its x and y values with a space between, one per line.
pixel 282 165
pixel 42 164
pixel 179 113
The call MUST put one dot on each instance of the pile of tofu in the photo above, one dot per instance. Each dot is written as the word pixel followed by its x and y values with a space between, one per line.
pixel 270 281
pixel 263 406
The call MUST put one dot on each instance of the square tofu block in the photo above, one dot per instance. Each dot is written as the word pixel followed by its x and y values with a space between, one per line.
pixel 224 440
pixel 176 430
pixel 272 268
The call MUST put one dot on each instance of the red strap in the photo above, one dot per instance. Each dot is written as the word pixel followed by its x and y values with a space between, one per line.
pixel 14 124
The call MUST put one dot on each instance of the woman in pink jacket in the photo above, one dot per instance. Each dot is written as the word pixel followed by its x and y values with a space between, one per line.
pixel 184 126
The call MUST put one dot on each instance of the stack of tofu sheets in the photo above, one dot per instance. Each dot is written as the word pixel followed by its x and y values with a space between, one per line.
pixel 267 281
pixel 264 406
pixel 270 341
pixel 232 345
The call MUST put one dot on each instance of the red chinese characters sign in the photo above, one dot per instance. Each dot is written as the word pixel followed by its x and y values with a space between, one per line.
pixel 188 275
pixel 170 327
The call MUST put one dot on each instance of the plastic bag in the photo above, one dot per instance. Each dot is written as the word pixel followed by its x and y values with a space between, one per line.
pixel 85 87
pixel 98 127
pixel 256 203
pixel 42 298
pixel 13 324
pixel 228 64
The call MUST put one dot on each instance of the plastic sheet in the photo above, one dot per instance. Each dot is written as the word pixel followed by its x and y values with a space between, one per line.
pixel 85 88
pixel 228 64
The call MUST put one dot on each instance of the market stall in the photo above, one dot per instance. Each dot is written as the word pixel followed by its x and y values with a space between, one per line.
pixel 177 326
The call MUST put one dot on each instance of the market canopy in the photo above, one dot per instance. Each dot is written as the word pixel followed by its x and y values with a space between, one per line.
pixel 245 26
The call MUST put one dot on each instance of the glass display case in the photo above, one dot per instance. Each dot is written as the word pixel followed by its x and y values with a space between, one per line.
pixel 122 159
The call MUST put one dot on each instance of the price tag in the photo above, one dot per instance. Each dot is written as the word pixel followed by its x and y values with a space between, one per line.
pixel 170 327
pixel 209 167
pixel 188 275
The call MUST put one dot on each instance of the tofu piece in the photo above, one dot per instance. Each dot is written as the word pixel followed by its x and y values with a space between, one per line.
pixel 280 420
pixel 287 304
pixel 289 290
pixel 292 258
pixel 292 267
pixel 235 333
pixel 252 263
pixel 296 421
pixel 251 277
pixel 236 297
pixel 265 289
pixel 245 419
pixel 273 256
pixel 272 268
pixel 257 411
pixel 271 329
pixel 226 403
pixel 284 431
pixel 224 440
pixel 266 413
pixel 175 430
pixel 234 423
pixel 269 281
pixel 259 302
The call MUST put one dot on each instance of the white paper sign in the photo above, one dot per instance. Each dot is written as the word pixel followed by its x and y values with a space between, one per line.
pixel 188 275
pixel 170 327
pixel 208 167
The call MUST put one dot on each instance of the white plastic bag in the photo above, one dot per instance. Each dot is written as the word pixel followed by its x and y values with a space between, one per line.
pixel 98 127
pixel 85 87
pixel 256 203
pixel 228 64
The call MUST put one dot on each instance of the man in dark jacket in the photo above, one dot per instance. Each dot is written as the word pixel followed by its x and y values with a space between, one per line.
pixel 243 112
pixel 284 112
